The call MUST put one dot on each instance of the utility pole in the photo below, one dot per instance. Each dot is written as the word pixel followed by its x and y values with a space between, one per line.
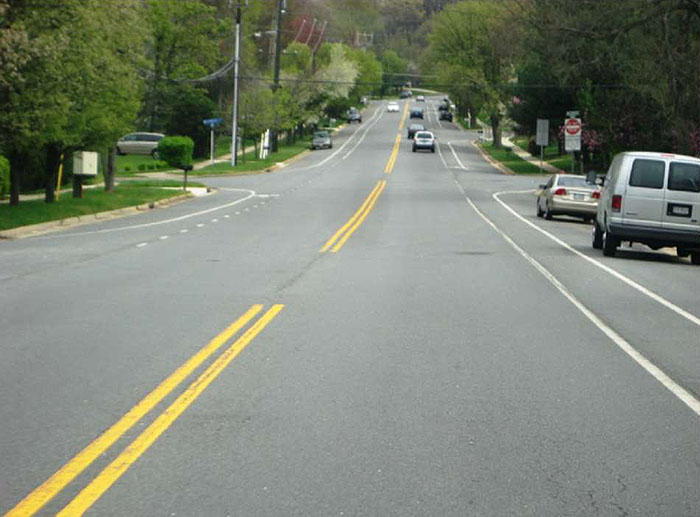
pixel 276 73
pixel 236 61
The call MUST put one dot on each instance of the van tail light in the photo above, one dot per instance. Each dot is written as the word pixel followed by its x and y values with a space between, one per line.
pixel 616 203
pixel 596 194
pixel 560 192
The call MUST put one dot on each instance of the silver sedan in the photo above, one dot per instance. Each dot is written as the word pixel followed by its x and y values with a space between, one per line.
pixel 568 194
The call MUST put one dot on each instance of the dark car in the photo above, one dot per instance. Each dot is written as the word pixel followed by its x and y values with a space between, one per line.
pixel 445 106
pixel 445 115
pixel 322 140
pixel 416 113
pixel 414 128
pixel 406 94
pixel 354 116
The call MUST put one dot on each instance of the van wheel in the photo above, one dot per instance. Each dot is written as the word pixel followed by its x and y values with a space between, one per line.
pixel 540 213
pixel 682 252
pixel 597 237
pixel 548 214
pixel 610 244
pixel 695 257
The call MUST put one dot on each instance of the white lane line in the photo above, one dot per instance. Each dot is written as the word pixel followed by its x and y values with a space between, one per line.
pixel 669 305
pixel 441 156
pixel 142 244
pixel 238 213
pixel 200 225
pixel 370 126
pixel 246 209
pixel 214 220
pixel 184 230
pixel 163 237
pixel 251 193
pixel 686 397
pixel 437 117
pixel 456 157
pixel 226 216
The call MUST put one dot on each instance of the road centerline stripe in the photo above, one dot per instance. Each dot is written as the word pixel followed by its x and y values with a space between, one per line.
pixel 140 445
pixel 352 220
pixel 360 220
pixel 41 495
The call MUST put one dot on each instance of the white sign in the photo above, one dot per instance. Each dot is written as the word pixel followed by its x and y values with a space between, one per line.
pixel 572 134
pixel 542 132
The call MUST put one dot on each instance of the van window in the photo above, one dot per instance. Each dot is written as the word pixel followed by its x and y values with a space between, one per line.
pixel 647 174
pixel 684 176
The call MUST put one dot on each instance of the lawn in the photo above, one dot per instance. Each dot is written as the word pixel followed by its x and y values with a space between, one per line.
pixel 253 163
pixel 93 201
pixel 551 153
pixel 510 160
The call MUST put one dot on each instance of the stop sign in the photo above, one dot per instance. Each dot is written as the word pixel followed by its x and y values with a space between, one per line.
pixel 573 126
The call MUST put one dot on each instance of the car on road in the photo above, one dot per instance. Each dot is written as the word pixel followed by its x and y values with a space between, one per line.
pixel 414 128
pixel 445 106
pixel 652 199
pixel 139 143
pixel 445 115
pixel 392 107
pixel 416 113
pixel 405 94
pixel 354 116
pixel 568 194
pixel 420 98
pixel 321 140
pixel 424 140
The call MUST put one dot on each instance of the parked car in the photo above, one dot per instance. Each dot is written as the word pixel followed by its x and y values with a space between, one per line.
pixel 392 107
pixel 568 194
pixel 321 140
pixel 414 128
pixel 445 115
pixel 139 143
pixel 416 113
pixel 420 98
pixel 424 140
pixel 652 199
pixel 354 116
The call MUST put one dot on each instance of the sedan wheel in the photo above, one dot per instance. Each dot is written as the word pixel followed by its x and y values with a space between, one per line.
pixel 548 214
pixel 540 213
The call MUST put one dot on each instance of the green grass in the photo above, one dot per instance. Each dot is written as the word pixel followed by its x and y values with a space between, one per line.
pixel 93 201
pixel 510 160
pixel 128 164
pixel 158 183
pixel 252 163
pixel 551 153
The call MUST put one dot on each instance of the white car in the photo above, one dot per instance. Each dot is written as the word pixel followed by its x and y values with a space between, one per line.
pixel 139 143
pixel 393 107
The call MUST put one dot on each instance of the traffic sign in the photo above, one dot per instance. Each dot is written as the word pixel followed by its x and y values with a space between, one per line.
pixel 211 122
pixel 542 138
pixel 572 134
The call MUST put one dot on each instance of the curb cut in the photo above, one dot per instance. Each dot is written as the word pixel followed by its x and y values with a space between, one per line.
pixel 34 230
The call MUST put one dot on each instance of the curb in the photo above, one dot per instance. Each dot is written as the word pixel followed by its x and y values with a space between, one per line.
pixel 488 158
pixel 34 230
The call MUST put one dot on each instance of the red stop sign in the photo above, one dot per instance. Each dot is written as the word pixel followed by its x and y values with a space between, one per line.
pixel 573 126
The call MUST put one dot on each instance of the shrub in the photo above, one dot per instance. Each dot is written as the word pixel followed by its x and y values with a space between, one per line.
pixel 4 177
pixel 142 166
pixel 127 168
pixel 152 166
pixel 176 150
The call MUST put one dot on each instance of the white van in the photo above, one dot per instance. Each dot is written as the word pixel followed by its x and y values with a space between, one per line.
pixel 653 199
pixel 139 143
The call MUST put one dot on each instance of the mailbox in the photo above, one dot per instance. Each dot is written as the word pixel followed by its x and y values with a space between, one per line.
pixel 85 163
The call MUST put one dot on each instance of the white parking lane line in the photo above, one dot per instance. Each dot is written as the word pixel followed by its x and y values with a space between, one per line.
pixel 686 397
pixel 669 305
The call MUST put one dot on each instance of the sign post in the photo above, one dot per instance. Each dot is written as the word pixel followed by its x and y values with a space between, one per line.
pixel 212 123
pixel 572 137
pixel 542 138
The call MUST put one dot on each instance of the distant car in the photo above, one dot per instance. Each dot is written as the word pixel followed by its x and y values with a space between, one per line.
pixel 139 143
pixel 445 106
pixel 424 140
pixel 568 194
pixel 414 128
pixel 416 113
pixel 354 116
pixel 445 115
pixel 420 98
pixel 321 140
pixel 406 94
pixel 364 101
pixel 392 107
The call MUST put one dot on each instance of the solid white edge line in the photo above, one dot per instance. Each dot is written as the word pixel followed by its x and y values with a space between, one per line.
pixel 455 155
pixel 441 156
pixel 686 397
pixel 669 305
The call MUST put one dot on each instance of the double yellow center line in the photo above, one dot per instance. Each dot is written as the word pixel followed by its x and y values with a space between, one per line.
pixel 343 234
pixel 93 491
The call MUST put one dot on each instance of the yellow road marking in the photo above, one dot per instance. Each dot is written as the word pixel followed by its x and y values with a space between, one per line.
pixel 403 117
pixel 52 486
pixel 394 153
pixel 121 464
pixel 359 221
pixel 347 225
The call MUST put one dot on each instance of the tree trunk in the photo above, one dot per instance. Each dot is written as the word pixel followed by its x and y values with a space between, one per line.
pixel 16 166
pixel 109 169
pixel 53 162
pixel 496 128
pixel 77 186
pixel 255 146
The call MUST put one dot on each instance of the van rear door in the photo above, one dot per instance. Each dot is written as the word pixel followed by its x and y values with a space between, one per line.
pixel 682 198
pixel 643 202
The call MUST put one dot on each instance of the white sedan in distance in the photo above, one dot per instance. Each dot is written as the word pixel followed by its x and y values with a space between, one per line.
pixel 393 107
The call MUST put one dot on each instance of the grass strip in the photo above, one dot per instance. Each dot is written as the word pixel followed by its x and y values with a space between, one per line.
pixel 510 160
pixel 92 202
pixel 138 183
pixel 252 163
pixel 551 153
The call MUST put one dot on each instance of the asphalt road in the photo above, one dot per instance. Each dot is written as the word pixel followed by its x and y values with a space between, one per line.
pixel 408 339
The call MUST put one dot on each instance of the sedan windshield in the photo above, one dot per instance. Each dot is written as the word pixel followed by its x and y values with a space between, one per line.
pixel 321 134
pixel 424 135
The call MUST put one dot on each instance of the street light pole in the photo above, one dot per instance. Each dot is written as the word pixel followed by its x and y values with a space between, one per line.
pixel 236 60
pixel 276 73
